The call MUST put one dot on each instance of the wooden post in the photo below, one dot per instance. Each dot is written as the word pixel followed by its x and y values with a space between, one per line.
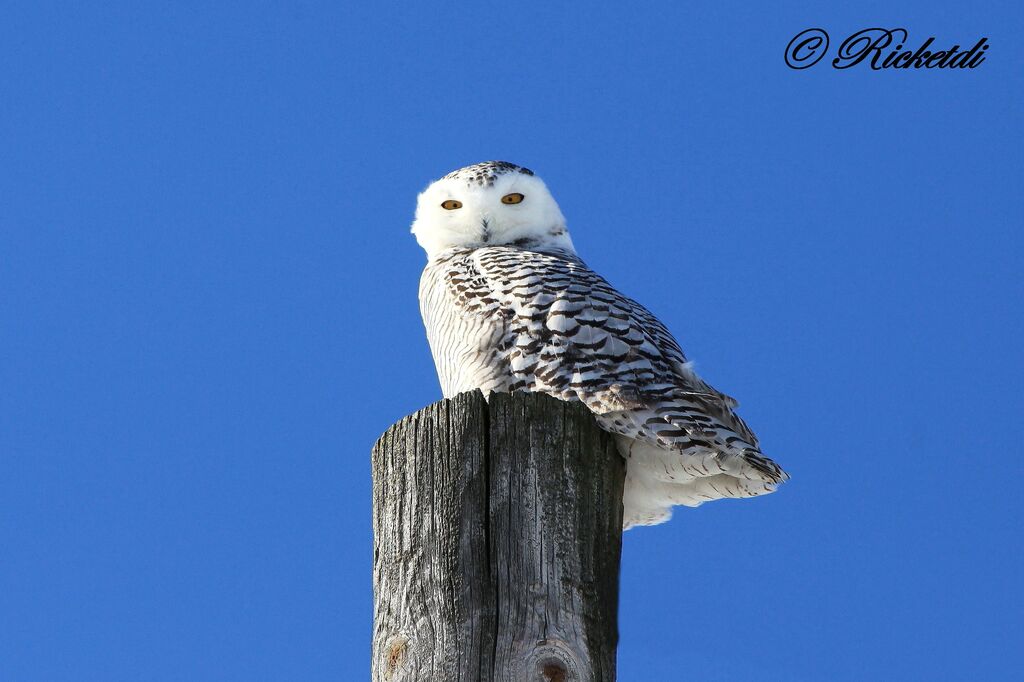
pixel 497 533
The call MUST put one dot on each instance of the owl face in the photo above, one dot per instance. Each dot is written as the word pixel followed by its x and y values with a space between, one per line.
pixel 489 204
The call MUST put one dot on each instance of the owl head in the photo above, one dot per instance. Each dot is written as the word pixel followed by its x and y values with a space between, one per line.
pixel 494 203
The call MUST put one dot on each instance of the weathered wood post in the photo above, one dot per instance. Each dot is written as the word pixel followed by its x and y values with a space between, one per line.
pixel 497 534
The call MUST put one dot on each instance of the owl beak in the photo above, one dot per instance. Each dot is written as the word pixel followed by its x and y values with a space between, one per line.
pixel 485 233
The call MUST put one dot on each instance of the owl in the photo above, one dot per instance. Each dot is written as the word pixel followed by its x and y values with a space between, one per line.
pixel 509 306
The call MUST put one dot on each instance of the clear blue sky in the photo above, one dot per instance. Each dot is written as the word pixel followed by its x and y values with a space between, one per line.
pixel 208 314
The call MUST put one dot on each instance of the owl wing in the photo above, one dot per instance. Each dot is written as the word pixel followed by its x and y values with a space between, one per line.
pixel 551 324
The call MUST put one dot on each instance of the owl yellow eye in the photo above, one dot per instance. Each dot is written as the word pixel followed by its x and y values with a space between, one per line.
pixel 512 198
pixel 451 205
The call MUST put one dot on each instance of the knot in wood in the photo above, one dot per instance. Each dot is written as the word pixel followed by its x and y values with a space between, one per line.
pixel 394 656
pixel 553 672
pixel 556 661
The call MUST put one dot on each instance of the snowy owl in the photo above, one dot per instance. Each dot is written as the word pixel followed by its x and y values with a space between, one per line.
pixel 509 306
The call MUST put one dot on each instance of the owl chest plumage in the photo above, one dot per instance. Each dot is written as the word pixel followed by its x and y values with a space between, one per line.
pixel 476 319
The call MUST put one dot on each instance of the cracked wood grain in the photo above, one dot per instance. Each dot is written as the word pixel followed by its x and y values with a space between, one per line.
pixel 497 535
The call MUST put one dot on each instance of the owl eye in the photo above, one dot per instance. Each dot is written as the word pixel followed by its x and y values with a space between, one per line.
pixel 512 198
pixel 451 205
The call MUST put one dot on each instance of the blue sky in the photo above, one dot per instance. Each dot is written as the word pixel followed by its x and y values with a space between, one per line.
pixel 208 315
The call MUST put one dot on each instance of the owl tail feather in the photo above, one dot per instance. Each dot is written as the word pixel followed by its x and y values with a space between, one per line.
pixel 658 479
